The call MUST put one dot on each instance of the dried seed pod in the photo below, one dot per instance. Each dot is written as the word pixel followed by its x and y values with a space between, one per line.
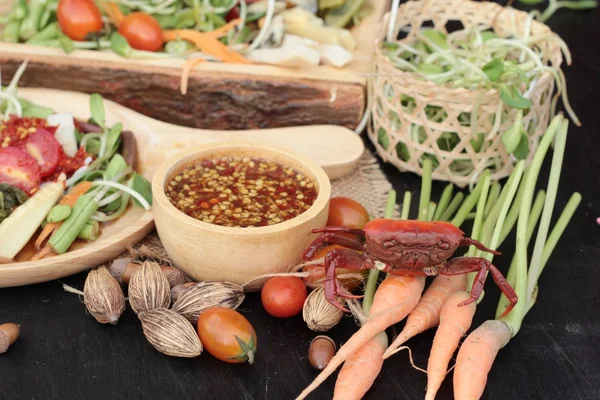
pixel 321 351
pixel 203 295
pixel 170 333
pixel 149 288
pixel 9 333
pixel 318 313
pixel 177 290
pixel 123 268
pixel 103 296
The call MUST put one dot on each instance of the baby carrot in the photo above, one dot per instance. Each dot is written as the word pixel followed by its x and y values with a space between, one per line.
pixel 394 299
pixel 454 323
pixel 360 370
pixel 475 358
pixel 207 44
pixel 426 314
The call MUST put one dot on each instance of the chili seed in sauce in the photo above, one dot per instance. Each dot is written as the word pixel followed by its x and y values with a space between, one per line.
pixel 240 192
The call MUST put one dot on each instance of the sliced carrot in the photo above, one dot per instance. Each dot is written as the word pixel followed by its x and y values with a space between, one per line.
pixel 68 200
pixel 455 321
pixel 187 68
pixel 394 299
pixel 475 358
pixel 113 12
pixel 207 44
pixel 426 314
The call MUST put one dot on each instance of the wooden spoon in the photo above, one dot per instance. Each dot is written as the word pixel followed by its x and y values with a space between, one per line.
pixel 335 148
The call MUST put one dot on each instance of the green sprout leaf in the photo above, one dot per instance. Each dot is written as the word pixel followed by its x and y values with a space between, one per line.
pixel 522 149
pixel 143 187
pixel 511 138
pixel 97 109
pixel 119 45
pixel 512 98
pixel 494 69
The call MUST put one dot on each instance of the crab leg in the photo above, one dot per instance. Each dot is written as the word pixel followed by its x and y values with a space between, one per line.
pixel 334 237
pixel 472 242
pixel 464 265
pixel 342 258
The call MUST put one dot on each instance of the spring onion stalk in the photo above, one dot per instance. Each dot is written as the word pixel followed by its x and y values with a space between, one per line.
pixel 469 202
pixel 444 201
pixel 425 190
pixel 406 205
pixel 374 273
pixel 557 159
pixel 515 318
pixel 452 207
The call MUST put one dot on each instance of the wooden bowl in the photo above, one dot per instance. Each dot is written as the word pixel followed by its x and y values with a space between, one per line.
pixel 211 252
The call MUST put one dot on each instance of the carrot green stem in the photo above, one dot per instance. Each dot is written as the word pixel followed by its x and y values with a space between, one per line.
pixel 469 202
pixel 374 273
pixel 444 201
pixel 515 318
pixel 536 212
pixel 431 210
pixel 513 213
pixel 454 204
pixel 535 267
pixel 406 205
pixel 425 190
pixel 492 198
pixel 555 235
pixel 477 225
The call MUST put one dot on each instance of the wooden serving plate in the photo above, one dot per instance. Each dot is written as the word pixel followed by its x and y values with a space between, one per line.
pixel 220 96
pixel 336 149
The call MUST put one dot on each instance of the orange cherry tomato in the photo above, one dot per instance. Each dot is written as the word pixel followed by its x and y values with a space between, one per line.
pixel 317 272
pixel 142 31
pixel 344 211
pixel 227 335
pixel 283 296
pixel 78 18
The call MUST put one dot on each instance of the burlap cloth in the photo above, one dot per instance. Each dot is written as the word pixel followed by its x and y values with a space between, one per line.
pixel 367 185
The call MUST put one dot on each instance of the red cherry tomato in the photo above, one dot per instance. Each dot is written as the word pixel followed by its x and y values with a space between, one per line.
pixel 142 31
pixel 283 296
pixel 78 18
pixel 19 169
pixel 343 211
pixel 42 146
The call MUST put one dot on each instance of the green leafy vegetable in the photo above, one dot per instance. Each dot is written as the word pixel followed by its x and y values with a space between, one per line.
pixel 143 187
pixel 494 69
pixel 10 198
pixel 97 110
pixel 512 98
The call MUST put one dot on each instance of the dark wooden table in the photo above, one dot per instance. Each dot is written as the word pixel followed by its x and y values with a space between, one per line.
pixel 65 354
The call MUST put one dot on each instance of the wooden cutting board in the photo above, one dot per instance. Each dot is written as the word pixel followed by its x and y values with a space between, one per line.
pixel 220 96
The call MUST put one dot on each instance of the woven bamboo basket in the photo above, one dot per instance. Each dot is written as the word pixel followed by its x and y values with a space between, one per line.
pixel 405 136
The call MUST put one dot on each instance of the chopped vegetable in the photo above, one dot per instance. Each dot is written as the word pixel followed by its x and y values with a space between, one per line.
pixel 20 226
pixel 11 197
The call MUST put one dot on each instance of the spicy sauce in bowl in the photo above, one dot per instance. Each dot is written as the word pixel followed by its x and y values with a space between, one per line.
pixel 238 191
pixel 213 230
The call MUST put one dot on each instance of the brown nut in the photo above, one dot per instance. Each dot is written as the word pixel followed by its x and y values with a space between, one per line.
pixel 321 350
pixel 8 334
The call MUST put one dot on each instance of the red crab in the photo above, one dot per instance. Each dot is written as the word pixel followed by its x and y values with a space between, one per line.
pixel 404 247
